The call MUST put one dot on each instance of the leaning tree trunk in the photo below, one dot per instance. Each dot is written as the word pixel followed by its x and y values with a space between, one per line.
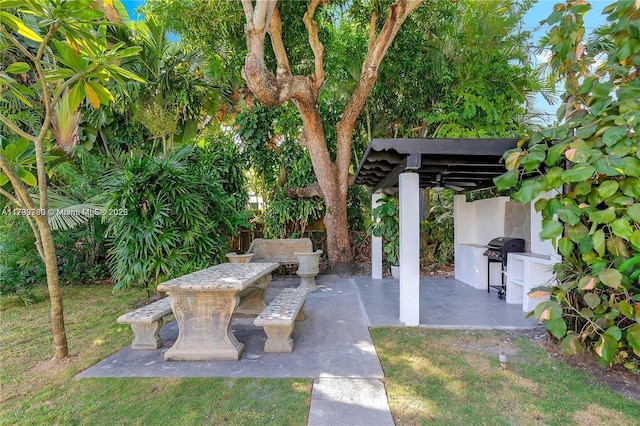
pixel 53 285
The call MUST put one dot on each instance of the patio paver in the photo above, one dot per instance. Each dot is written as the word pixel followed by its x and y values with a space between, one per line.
pixel 444 303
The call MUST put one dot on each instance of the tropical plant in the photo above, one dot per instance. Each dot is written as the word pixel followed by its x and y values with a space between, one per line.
pixel 385 223
pixel 166 216
pixel 591 162
pixel 64 51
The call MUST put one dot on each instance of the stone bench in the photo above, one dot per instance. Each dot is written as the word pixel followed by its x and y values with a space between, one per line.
pixel 278 319
pixel 146 323
pixel 281 251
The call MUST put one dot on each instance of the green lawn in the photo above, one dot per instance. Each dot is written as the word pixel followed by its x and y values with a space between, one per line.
pixel 36 391
pixel 452 377
pixel 432 377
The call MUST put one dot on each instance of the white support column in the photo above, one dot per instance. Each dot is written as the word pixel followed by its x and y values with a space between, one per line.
pixel 376 245
pixel 409 249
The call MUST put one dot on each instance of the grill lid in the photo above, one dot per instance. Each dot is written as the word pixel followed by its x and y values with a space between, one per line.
pixel 506 244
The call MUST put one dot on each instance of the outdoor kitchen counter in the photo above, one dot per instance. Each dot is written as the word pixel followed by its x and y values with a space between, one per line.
pixel 203 303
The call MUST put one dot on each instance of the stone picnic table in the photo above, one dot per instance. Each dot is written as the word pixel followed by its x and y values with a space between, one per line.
pixel 203 303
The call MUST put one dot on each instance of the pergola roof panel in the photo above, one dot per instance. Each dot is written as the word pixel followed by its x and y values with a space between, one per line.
pixel 461 164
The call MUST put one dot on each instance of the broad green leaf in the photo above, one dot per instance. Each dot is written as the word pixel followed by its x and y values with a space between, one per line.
pixel 579 173
pixel 622 228
pixel 631 187
pixel 606 347
pixel 626 309
pixel 603 216
pixel 3 179
pixel 18 68
pixel 608 188
pixel 611 278
pixel 528 191
pixel 633 338
pixel 565 246
pixel 613 135
pixel 631 166
pixel 634 238
pixel 532 160
pixel 557 327
pixel 76 96
pixel 11 4
pixel 586 131
pixel 554 153
pixel 570 214
pixel 577 232
pixel 26 176
pixel 583 188
pixel 610 165
pixel 553 178
pixel 19 26
pixel 598 239
pixel 634 212
pixel 615 332
pixel 550 229
pixel 571 345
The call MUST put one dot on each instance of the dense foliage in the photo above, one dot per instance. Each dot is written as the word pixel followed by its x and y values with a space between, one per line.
pixel 167 216
pixel 592 163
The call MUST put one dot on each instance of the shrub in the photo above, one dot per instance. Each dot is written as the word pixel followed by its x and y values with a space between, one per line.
pixel 593 155
pixel 166 217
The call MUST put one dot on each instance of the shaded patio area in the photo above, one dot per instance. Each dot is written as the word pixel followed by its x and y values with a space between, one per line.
pixel 444 303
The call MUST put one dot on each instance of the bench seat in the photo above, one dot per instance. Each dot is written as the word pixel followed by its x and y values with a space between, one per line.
pixel 278 319
pixel 146 323
pixel 279 250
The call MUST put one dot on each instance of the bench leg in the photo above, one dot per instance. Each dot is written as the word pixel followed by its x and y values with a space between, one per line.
pixel 146 336
pixel 278 338
pixel 255 302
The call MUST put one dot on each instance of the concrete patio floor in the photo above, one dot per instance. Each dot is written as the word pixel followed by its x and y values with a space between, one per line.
pixel 444 303
pixel 332 345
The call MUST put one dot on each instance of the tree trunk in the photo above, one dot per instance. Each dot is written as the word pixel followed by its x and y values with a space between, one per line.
pixel 53 285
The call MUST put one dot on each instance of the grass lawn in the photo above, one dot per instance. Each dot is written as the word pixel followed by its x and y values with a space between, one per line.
pixel 454 377
pixel 35 391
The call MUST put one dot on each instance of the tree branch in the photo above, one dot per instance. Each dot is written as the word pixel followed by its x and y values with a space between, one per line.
pixel 16 43
pixel 247 6
pixel 316 46
pixel 17 130
pixel 312 190
pixel 396 15
pixel 275 33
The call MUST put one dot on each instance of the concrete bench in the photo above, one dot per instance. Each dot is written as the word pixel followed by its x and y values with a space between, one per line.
pixel 278 319
pixel 146 323
pixel 281 251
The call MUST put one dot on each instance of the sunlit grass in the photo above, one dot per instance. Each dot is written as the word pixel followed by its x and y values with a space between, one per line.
pixel 35 390
pixel 454 377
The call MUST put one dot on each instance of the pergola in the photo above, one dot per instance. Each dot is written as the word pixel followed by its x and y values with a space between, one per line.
pixel 414 164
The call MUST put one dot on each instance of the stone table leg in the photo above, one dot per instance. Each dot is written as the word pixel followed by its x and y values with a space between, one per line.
pixel 204 319
pixel 255 303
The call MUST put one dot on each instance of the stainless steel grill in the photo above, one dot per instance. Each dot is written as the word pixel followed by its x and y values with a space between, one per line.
pixel 497 251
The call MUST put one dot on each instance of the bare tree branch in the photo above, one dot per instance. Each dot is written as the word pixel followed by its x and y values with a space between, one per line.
pixel 247 6
pixel 275 33
pixel 396 15
pixel 17 130
pixel 316 46
pixel 312 190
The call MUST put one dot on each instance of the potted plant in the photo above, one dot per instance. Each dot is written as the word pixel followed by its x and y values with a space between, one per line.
pixel 386 224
